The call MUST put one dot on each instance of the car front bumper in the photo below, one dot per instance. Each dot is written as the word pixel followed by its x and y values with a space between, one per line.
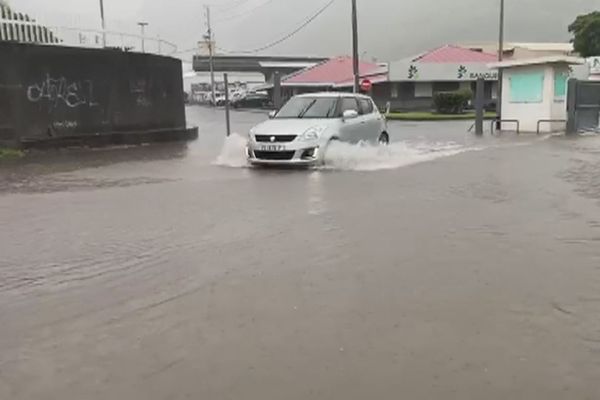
pixel 292 154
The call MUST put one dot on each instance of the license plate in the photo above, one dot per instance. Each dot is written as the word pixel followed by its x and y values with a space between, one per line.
pixel 272 147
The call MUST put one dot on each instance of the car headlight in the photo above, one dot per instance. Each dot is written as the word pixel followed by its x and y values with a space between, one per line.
pixel 313 133
pixel 250 135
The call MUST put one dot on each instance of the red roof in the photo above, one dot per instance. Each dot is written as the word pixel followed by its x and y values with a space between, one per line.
pixel 455 54
pixel 330 73
pixel 374 78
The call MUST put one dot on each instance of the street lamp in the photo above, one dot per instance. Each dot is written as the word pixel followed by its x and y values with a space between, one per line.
pixel 355 47
pixel 500 58
pixel 143 26
pixel 103 23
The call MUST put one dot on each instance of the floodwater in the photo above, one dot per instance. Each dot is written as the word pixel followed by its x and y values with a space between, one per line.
pixel 441 267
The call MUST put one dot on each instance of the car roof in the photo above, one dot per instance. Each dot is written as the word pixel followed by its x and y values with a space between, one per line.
pixel 333 94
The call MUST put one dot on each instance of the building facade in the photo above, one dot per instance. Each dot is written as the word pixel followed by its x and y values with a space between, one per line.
pixel 414 81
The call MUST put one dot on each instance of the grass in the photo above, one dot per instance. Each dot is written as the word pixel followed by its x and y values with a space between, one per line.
pixel 10 154
pixel 431 116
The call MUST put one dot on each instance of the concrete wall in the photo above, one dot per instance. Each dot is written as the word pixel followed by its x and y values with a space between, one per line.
pixel 53 92
pixel 530 113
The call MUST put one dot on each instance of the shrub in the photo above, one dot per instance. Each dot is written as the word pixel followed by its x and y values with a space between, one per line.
pixel 452 102
pixel 6 154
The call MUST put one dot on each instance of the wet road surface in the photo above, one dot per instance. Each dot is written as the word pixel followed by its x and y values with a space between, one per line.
pixel 442 267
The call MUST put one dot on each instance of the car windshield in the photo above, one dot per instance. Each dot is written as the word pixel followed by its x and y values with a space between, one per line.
pixel 309 107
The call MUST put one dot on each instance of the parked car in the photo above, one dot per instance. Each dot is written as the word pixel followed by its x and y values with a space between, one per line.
pixel 252 100
pixel 301 131
pixel 218 100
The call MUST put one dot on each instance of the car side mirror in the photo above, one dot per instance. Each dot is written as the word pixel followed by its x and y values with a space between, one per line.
pixel 272 114
pixel 349 114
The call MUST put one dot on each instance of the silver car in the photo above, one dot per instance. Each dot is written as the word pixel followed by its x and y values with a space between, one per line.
pixel 300 132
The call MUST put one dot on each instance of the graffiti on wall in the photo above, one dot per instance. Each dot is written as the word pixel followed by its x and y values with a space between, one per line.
pixel 65 124
pixel 61 91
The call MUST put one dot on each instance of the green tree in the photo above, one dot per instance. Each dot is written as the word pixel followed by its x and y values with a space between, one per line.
pixel 586 34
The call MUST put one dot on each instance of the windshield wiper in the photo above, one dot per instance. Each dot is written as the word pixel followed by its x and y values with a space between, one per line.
pixel 308 107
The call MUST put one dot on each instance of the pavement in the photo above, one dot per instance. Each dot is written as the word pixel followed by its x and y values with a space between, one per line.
pixel 442 267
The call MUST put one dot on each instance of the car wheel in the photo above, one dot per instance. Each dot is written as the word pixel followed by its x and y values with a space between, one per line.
pixel 324 152
pixel 384 139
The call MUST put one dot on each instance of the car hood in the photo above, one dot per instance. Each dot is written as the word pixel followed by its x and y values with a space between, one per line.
pixel 290 126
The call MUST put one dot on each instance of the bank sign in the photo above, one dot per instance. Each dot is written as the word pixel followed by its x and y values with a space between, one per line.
pixel 441 72
pixel 488 76
pixel 464 73
pixel 594 63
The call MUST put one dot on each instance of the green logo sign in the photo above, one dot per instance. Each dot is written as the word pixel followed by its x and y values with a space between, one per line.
pixel 413 72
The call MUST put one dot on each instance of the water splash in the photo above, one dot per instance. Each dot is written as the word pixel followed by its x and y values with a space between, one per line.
pixel 356 157
pixel 365 157
pixel 233 152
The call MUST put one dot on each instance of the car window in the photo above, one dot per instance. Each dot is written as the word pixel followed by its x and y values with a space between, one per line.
pixel 308 107
pixel 366 106
pixel 348 103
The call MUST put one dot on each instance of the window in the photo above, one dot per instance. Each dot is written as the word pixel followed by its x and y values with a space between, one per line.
pixel 423 89
pixel 527 87
pixel 560 86
pixel 348 103
pixel 308 107
pixel 366 106
pixel 394 93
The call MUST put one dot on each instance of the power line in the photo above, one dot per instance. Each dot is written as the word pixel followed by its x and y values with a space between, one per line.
pixel 244 14
pixel 272 44
pixel 286 37
pixel 224 8
pixel 228 5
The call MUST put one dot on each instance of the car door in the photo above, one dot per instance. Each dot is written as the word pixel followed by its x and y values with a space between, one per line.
pixel 370 120
pixel 350 130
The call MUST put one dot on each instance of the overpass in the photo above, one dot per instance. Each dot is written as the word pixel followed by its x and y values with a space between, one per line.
pixel 266 65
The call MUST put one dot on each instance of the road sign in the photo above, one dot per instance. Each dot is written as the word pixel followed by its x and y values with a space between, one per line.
pixel 366 85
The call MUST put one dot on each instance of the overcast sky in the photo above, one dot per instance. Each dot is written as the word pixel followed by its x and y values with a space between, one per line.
pixel 389 29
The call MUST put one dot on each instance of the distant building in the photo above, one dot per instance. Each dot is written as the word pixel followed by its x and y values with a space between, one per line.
pixel 414 81
pixel 523 50
pixel 593 65
pixel 334 74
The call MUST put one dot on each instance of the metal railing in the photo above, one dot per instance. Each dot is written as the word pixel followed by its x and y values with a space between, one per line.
pixel 504 121
pixel 548 121
pixel 18 27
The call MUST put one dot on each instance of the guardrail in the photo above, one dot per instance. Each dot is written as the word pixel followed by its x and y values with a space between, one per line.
pixel 27 30
pixel 548 121
pixel 510 121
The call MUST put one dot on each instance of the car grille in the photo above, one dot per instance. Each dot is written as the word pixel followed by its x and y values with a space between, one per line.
pixel 278 138
pixel 274 155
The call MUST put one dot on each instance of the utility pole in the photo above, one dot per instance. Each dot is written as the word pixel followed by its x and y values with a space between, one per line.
pixel 500 71
pixel 209 38
pixel 103 23
pixel 355 48
pixel 143 26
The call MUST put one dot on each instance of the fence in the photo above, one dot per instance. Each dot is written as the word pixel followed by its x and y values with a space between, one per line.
pixel 583 106
pixel 21 28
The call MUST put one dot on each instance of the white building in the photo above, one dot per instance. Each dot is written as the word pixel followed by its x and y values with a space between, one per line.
pixel 534 92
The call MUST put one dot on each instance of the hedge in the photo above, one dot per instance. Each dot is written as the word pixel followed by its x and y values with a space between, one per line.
pixel 452 102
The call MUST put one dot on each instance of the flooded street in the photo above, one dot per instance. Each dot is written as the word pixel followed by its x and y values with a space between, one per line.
pixel 442 267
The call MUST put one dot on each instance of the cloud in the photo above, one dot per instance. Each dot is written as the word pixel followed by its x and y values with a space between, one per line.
pixel 389 29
